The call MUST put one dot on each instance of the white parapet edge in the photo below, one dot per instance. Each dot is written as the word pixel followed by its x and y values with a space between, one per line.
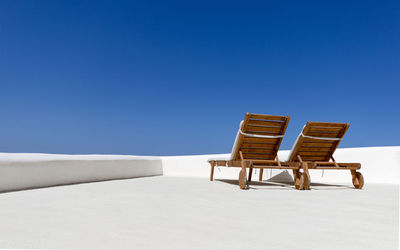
pixel 30 170
pixel 378 165
pixel 25 170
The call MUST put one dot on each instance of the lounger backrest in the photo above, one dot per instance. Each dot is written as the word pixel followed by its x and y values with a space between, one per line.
pixel 260 136
pixel 318 141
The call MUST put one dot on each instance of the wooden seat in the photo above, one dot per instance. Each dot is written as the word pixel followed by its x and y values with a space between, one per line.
pixel 315 146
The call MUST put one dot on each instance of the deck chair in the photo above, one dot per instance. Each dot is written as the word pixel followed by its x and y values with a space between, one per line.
pixel 314 148
pixel 256 146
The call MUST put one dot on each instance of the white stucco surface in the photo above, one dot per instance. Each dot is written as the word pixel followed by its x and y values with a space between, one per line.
pixel 378 165
pixel 193 213
pixel 23 171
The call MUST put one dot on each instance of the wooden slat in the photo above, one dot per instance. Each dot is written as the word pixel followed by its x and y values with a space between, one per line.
pixel 317 149
pixel 262 132
pixel 265 123
pixel 267 166
pixel 259 128
pixel 260 140
pixel 297 164
pixel 326 124
pixel 345 164
pixel 267 117
pixel 317 144
pixel 274 166
pixel 313 158
pixel 324 132
pixel 220 163
pixel 259 156
pixel 326 129
pixel 257 150
pixel 264 161
pixel 309 140
pixel 314 153
pixel 336 168
pixel 258 145
pixel 330 135
pixel 327 163
pixel 342 164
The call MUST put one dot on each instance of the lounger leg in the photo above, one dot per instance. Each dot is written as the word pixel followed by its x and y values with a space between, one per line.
pixel 296 178
pixel 261 174
pixel 250 174
pixel 243 184
pixel 212 171
pixel 306 176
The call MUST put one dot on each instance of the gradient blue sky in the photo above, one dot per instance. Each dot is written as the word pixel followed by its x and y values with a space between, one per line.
pixel 173 78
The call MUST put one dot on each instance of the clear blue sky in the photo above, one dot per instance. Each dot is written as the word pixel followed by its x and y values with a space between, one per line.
pixel 174 78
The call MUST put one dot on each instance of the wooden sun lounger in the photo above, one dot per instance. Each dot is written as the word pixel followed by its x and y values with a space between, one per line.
pixel 314 149
pixel 256 146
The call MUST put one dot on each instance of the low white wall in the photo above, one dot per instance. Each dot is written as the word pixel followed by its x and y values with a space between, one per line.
pixel 378 165
pixel 23 171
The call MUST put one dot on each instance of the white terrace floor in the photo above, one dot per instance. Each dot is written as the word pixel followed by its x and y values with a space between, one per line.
pixel 181 213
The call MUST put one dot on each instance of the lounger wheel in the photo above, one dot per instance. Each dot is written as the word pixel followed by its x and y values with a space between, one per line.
pixel 242 179
pixel 358 180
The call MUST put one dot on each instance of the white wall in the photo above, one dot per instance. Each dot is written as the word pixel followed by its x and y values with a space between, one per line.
pixel 378 165
pixel 23 171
